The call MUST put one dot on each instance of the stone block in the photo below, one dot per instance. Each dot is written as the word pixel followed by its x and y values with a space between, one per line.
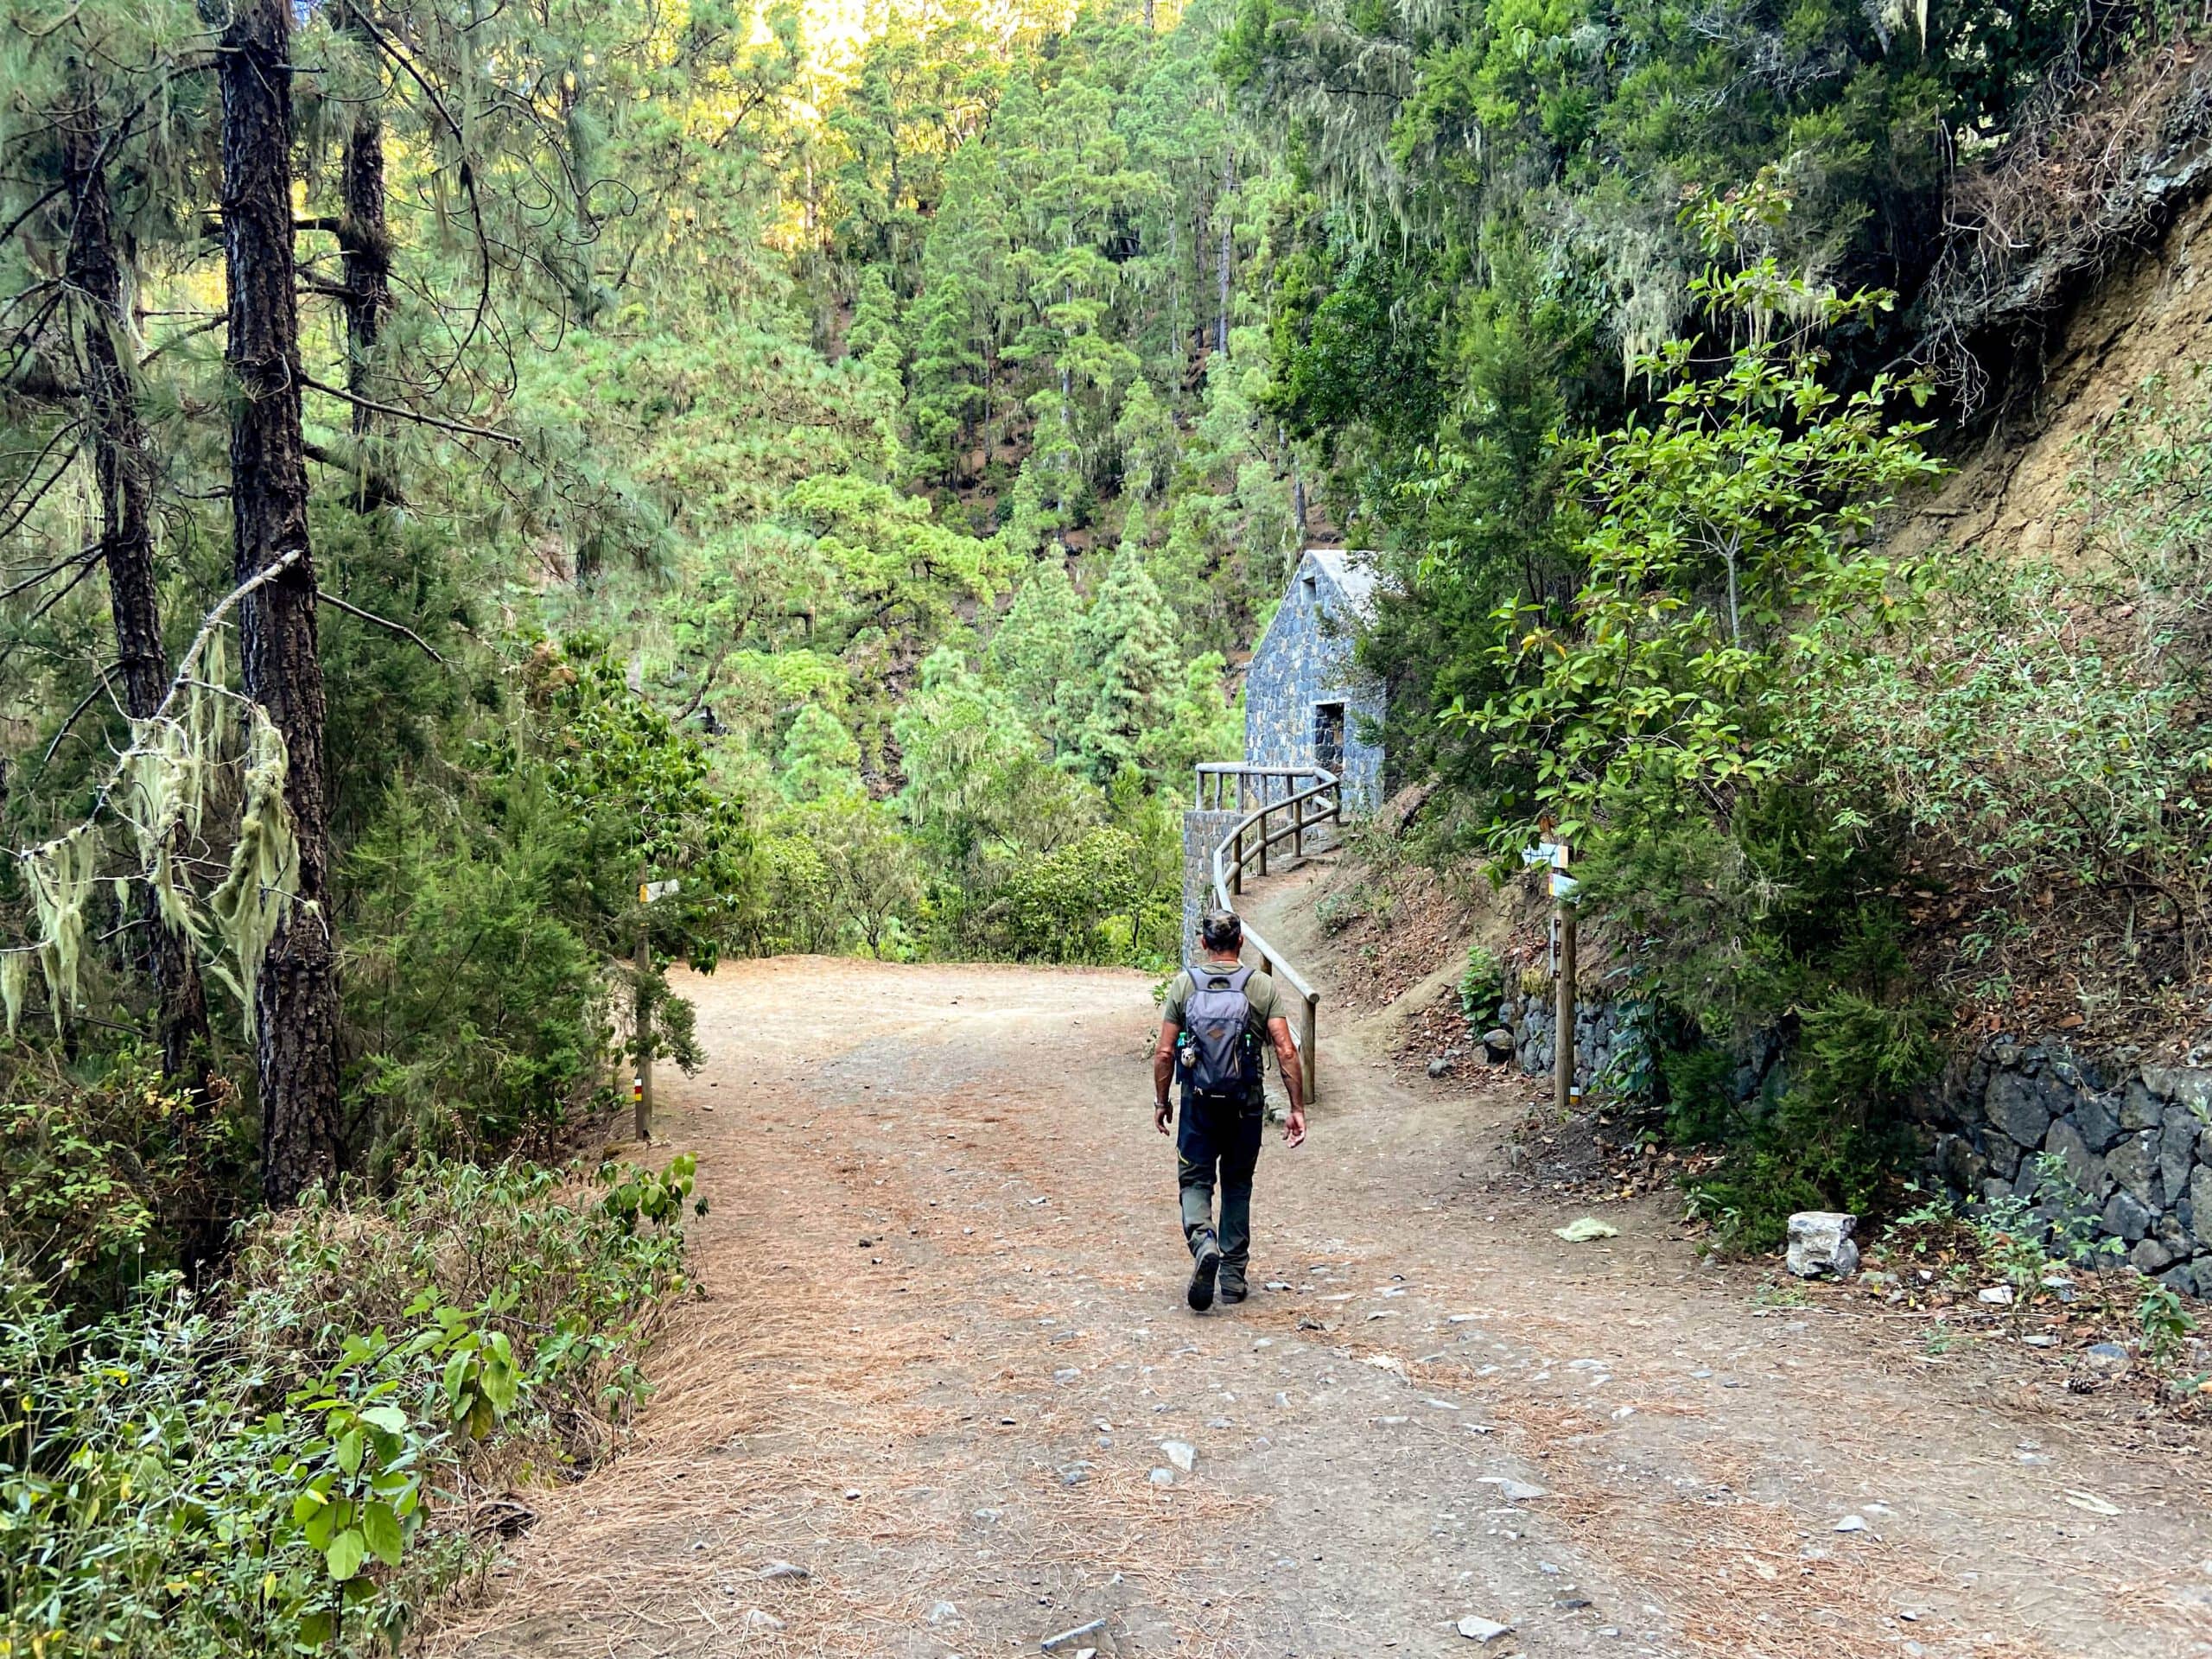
pixel 2187 1086
pixel 2200 1201
pixel 1952 1160
pixel 2086 1168
pixel 2098 1121
pixel 2134 1164
pixel 2139 1108
pixel 2019 1109
pixel 1994 1187
pixel 2127 1216
pixel 2003 1155
pixel 2176 1153
pixel 2150 1256
pixel 1821 1245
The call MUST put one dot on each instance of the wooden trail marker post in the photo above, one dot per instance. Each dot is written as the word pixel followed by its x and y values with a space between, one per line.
pixel 1563 887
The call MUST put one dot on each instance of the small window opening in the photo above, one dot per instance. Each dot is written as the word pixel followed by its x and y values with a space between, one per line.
pixel 1329 736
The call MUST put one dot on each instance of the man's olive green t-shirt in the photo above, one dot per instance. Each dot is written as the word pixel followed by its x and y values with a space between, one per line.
pixel 1259 991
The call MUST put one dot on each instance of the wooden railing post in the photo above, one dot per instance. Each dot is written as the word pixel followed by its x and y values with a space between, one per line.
pixel 1308 1017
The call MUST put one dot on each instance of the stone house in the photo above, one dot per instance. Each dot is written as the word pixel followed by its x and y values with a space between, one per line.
pixel 1304 697
pixel 1304 700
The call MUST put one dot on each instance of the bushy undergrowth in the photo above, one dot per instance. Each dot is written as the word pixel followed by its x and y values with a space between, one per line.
pixel 291 1461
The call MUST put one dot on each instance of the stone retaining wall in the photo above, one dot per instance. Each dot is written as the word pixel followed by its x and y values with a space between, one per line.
pixel 1600 1028
pixel 2137 1140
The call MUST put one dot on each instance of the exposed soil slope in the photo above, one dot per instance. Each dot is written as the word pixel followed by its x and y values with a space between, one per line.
pixel 943 1340
pixel 2013 492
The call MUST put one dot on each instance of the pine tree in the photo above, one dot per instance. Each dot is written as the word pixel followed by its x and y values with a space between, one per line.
pixel 296 1024
pixel 1034 652
pixel 820 761
pixel 123 469
pixel 1130 637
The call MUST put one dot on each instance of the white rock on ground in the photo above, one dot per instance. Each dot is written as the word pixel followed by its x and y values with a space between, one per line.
pixel 1483 1629
pixel 1181 1453
pixel 1821 1245
pixel 784 1570
pixel 1514 1491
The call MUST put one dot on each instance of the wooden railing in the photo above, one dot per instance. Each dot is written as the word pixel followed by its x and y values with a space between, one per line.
pixel 1299 809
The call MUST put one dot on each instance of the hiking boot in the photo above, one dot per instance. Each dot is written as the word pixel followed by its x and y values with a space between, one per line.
pixel 1233 1287
pixel 1200 1294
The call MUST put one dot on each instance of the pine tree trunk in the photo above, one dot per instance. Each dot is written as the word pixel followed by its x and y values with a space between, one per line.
pixel 1228 249
pixel 123 467
pixel 295 1003
pixel 364 243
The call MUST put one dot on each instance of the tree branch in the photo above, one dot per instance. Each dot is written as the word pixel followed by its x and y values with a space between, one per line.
pixel 400 628
pixel 98 686
pixel 53 569
pixel 395 409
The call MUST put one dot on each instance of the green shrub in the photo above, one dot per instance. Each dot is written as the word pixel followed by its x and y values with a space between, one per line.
pixel 1481 984
pixel 477 1007
pixel 288 1461
pixel 107 1178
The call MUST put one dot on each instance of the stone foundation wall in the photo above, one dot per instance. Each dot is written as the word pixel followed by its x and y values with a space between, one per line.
pixel 1202 833
pixel 2137 1141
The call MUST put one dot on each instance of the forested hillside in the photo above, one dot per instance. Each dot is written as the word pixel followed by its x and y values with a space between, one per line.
pixel 463 463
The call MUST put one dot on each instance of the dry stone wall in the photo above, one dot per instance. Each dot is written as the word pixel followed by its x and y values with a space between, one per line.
pixel 2135 1140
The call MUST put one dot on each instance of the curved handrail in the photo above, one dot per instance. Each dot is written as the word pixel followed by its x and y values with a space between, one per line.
pixel 1230 858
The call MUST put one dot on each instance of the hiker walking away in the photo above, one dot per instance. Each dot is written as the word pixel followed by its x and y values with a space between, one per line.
pixel 1217 1018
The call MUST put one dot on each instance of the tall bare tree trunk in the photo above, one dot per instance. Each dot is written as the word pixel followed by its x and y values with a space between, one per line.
pixel 295 1003
pixel 122 465
pixel 1228 249
pixel 364 243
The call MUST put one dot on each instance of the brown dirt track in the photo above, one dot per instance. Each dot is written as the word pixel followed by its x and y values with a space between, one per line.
pixel 942 1338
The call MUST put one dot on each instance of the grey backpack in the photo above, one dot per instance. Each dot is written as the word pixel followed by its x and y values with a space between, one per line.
pixel 1220 1054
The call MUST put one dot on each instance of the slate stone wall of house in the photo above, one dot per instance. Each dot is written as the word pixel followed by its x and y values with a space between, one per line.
pixel 2136 1141
pixel 1299 664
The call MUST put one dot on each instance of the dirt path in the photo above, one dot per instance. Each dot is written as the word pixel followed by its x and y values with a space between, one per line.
pixel 942 1341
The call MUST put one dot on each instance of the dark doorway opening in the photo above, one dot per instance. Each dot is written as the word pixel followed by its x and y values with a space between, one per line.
pixel 1329 736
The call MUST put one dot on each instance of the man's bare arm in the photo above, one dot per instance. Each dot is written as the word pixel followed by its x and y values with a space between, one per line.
pixel 1163 1072
pixel 1293 1078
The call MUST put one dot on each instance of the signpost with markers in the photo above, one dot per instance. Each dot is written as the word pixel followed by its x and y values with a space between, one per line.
pixel 1553 856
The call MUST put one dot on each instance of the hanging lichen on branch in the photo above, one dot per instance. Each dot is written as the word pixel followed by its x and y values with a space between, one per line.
pixel 163 789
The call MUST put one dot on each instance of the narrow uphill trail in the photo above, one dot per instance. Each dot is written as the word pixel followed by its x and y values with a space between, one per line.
pixel 942 1341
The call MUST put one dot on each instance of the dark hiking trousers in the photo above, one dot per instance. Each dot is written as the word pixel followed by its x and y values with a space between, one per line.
pixel 1223 1136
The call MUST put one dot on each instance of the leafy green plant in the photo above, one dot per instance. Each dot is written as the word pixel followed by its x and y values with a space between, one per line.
pixel 1480 983
pixel 2166 1326
pixel 283 1463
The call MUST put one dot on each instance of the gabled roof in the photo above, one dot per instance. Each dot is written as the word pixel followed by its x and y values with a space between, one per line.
pixel 1353 575
pixel 1351 580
